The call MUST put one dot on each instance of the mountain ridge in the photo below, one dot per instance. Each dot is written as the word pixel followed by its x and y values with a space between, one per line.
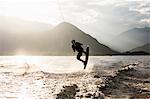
pixel 131 39
pixel 145 48
pixel 55 41
pixel 71 28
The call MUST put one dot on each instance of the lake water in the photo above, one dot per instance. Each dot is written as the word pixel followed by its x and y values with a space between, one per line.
pixel 61 64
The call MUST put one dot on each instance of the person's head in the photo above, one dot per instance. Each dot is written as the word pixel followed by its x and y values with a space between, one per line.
pixel 73 41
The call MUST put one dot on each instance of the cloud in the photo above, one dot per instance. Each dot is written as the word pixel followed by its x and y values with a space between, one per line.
pixel 78 10
pixel 102 2
pixel 87 16
pixel 145 22
pixel 142 11
pixel 106 16
pixel 142 7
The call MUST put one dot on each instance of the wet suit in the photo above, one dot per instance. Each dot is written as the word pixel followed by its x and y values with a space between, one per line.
pixel 76 46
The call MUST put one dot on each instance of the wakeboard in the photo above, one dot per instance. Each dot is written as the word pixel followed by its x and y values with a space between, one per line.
pixel 86 57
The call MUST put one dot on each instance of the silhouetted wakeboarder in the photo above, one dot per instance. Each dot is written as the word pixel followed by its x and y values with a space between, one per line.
pixel 76 46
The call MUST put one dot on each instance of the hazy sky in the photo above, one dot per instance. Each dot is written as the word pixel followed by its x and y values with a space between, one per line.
pixel 96 17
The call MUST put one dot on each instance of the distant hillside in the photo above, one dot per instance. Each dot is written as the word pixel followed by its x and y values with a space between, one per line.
pixel 131 39
pixel 16 25
pixel 145 48
pixel 135 53
pixel 141 35
pixel 56 41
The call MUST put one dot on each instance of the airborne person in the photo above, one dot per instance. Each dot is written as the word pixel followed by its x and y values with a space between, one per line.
pixel 76 46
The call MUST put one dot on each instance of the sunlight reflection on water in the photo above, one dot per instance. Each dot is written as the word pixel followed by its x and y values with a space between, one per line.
pixel 39 63
pixel 57 64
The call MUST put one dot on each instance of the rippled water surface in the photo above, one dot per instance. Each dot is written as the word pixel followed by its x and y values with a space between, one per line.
pixel 65 64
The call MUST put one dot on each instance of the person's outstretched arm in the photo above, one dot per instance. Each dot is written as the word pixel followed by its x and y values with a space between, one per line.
pixel 80 44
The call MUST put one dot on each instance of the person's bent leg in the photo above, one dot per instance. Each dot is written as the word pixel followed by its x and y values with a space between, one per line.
pixel 79 56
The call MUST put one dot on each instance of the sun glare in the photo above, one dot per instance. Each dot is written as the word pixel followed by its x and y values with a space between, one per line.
pixel 35 10
pixel 21 52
